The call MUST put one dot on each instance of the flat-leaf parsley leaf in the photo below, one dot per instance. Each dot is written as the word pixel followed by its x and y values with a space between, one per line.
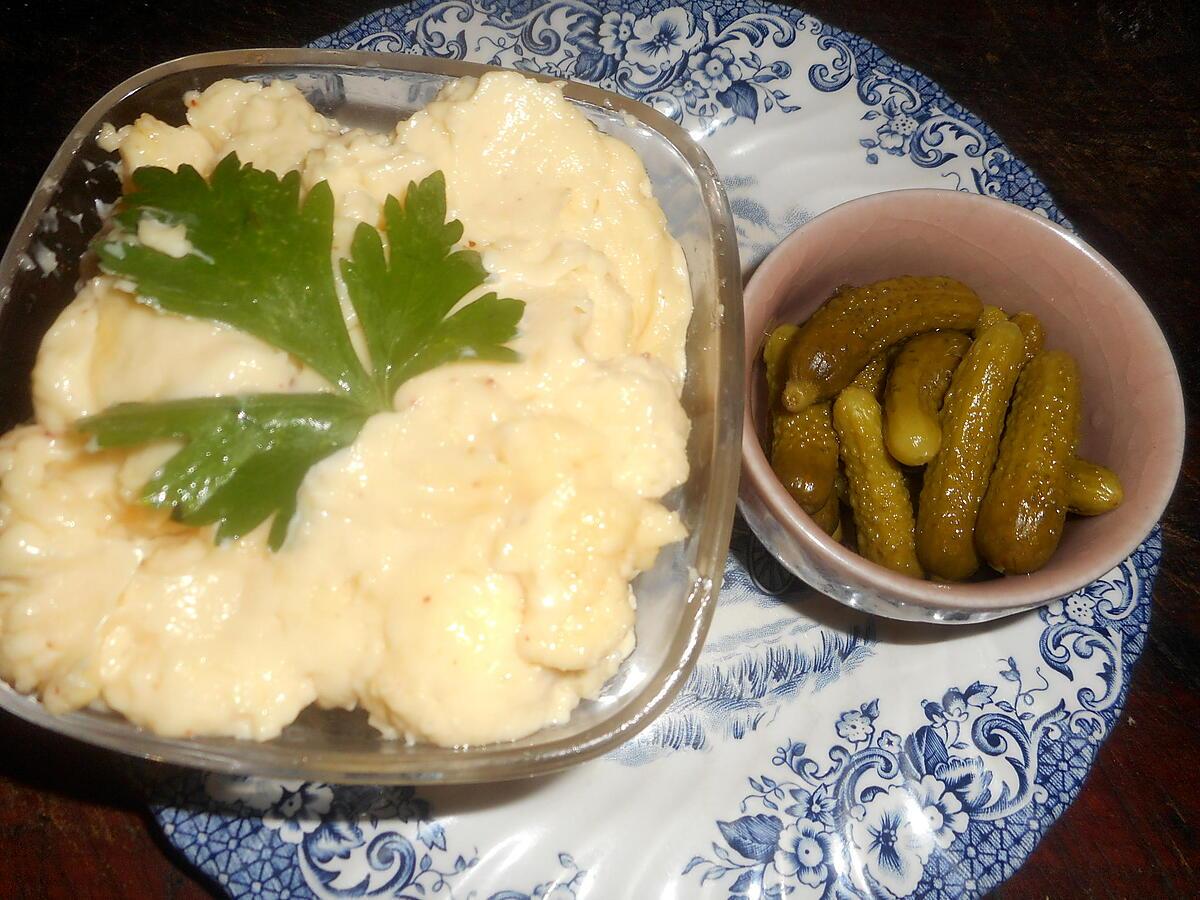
pixel 403 300
pixel 259 258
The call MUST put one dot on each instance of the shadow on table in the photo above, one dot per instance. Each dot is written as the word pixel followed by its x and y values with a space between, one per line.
pixel 63 769
pixel 56 765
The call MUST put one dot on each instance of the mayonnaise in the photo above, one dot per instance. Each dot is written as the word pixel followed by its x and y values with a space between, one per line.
pixel 462 570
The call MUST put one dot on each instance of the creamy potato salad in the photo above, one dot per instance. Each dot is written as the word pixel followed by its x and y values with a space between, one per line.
pixel 462 569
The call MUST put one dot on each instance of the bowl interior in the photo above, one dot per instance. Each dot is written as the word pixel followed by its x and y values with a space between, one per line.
pixel 1133 412
pixel 676 597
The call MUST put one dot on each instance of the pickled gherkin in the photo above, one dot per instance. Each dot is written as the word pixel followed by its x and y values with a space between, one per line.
pixel 829 516
pixel 1022 515
pixel 913 397
pixel 873 375
pixel 858 324
pixel 1035 334
pixel 842 487
pixel 804 450
pixel 883 516
pixel 775 360
pixel 804 455
pixel 989 317
pixel 1093 489
pixel 933 431
pixel 955 481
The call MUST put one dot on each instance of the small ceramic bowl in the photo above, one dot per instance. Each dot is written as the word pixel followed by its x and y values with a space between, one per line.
pixel 1133 403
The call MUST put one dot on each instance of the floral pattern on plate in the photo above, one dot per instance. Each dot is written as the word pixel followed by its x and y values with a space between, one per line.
pixel 881 814
pixel 814 752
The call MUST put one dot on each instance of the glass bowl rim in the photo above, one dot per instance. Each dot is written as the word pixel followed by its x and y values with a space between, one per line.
pixel 478 763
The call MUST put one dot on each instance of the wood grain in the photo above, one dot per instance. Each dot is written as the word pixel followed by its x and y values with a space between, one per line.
pixel 1100 99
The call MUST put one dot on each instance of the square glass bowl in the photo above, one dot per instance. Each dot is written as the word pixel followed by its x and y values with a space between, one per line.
pixel 38 276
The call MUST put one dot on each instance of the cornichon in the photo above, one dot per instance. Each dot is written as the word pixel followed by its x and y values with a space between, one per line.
pixel 988 317
pixel 775 360
pixel 1035 334
pixel 1030 325
pixel 804 455
pixel 955 480
pixel 1022 514
pixel 858 324
pixel 842 487
pixel 883 516
pixel 1093 489
pixel 829 517
pixel 804 450
pixel 913 397
pixel 873 375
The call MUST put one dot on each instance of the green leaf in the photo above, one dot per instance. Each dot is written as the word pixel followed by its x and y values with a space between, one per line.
pixel 403 300
pixel 260 259
pixel 243 459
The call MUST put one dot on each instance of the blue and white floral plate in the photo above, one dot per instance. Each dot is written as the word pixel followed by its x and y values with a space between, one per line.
pixel 814 752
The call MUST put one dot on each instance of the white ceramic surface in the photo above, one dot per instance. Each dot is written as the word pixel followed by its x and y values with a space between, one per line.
pixel 815 752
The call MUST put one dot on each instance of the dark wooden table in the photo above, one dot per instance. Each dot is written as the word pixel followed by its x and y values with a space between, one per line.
pixel 1102 100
